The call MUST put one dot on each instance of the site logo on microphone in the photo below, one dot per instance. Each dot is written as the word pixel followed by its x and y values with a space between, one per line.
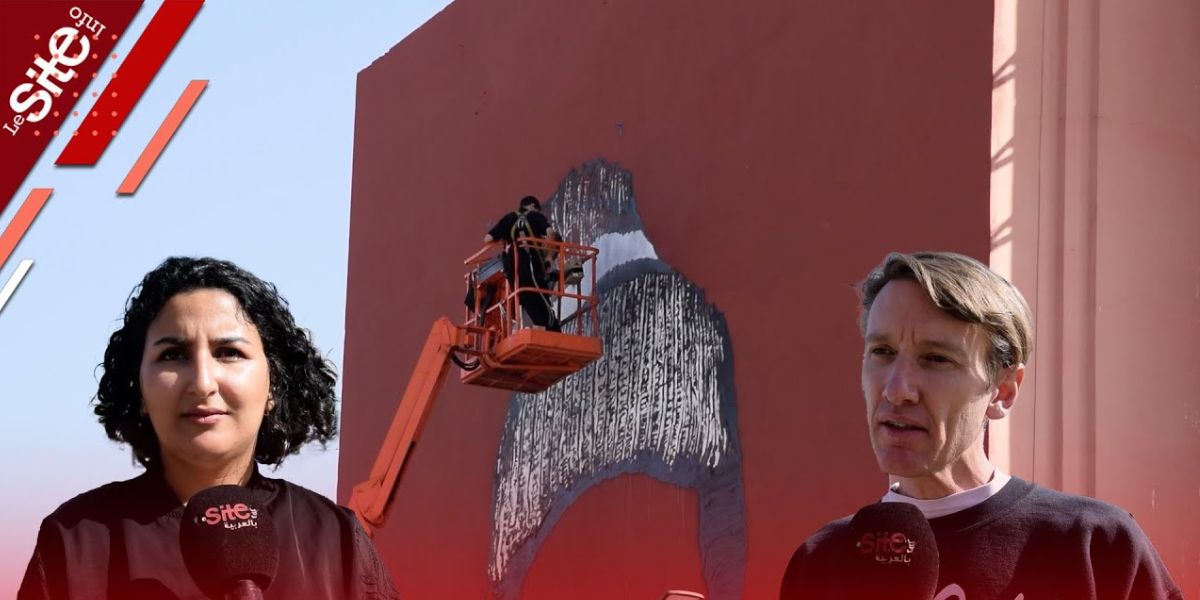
pixel 230 516
pixel 887 547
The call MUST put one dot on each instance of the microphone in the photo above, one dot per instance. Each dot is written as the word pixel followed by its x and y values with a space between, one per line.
pixel 894 553
pixel 228 543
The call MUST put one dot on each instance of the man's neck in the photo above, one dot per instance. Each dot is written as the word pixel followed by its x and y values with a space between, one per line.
pixel 971 471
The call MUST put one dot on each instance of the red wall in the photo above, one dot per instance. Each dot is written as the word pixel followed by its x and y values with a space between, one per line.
pixel 1099 108
pixel 778 152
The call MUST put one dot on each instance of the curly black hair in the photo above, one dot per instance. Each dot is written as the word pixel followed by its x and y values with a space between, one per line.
pixel 302 381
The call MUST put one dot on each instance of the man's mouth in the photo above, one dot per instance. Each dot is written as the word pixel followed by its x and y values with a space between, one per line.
pixel 900 425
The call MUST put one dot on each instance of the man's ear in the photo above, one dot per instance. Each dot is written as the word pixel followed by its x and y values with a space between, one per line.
pixel 1008 384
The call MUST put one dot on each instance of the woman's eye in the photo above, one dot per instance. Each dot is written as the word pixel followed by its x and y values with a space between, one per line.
pixel 229 353
pixel 938 359
pixel 170 354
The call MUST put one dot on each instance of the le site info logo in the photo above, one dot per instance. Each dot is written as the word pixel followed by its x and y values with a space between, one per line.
pixel 67 48
pixel 51 53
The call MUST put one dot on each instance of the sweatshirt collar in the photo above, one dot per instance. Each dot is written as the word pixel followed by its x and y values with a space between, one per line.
pixel 959 501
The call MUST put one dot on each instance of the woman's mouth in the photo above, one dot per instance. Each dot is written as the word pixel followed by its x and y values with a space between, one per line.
pixel 204 416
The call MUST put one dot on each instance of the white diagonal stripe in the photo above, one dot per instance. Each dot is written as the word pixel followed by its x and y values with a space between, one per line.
pixel 14 281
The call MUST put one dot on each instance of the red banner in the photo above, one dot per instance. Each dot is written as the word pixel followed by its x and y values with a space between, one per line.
pixel 50 51
pixel 122 93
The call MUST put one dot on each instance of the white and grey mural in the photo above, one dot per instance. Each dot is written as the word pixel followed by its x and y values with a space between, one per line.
pixel 660 402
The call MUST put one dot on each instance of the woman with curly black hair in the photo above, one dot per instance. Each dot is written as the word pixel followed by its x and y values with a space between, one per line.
pixel 208 376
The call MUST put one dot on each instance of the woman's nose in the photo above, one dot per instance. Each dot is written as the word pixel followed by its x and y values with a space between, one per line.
pixel 204 380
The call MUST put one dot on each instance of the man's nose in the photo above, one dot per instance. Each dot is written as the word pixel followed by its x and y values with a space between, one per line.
pixel 901 386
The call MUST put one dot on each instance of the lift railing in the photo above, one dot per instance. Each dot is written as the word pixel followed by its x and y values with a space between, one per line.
pixel 568 273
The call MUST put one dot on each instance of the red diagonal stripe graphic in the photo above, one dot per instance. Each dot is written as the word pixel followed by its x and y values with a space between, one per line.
pixel 161 137
pixel 22 220
pixel 129 83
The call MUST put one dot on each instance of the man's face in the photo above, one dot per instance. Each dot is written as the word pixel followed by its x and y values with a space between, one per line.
pixel 925 380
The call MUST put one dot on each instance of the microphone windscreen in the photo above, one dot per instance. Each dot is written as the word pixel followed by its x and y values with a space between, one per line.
pixel 894 553
pixel 227 536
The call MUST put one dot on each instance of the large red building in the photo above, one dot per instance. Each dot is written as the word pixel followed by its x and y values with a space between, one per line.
pixel 741 167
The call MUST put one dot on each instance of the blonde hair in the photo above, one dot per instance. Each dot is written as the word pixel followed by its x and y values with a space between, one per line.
pixel 967 290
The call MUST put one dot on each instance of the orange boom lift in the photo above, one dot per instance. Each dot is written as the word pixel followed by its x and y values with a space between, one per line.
pixel 493 348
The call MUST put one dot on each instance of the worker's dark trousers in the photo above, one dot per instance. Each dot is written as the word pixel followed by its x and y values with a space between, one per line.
pixel 533 274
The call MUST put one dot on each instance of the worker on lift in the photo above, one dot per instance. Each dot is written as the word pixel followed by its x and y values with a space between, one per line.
pixel 527 222
pixel 525 360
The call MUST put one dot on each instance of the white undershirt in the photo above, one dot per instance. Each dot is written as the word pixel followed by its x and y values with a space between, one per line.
pixel 940 507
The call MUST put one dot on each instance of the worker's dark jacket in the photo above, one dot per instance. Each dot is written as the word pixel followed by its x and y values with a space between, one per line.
pixel 503 230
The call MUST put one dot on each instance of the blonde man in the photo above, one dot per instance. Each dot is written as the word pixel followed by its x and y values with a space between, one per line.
pixel 946 341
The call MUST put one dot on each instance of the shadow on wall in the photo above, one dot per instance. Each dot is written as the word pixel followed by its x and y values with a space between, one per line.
pixel 660 402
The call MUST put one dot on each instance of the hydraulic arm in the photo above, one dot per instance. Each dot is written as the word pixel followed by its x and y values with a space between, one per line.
pixel 371 499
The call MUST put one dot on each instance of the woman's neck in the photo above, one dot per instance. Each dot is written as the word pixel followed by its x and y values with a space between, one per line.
pixel 186 479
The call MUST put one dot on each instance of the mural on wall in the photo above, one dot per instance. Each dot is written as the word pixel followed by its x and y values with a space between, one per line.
pixel 660 402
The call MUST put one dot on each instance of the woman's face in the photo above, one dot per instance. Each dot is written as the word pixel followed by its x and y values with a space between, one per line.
pixel 205 381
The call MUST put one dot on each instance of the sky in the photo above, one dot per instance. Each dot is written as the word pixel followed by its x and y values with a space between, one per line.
pixel 258 173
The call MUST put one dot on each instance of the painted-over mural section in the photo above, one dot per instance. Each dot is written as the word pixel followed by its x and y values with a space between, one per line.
pixel 660 402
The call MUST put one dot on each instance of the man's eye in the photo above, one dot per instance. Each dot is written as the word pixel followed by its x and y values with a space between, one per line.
pixel 880 351
pixel 938 359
